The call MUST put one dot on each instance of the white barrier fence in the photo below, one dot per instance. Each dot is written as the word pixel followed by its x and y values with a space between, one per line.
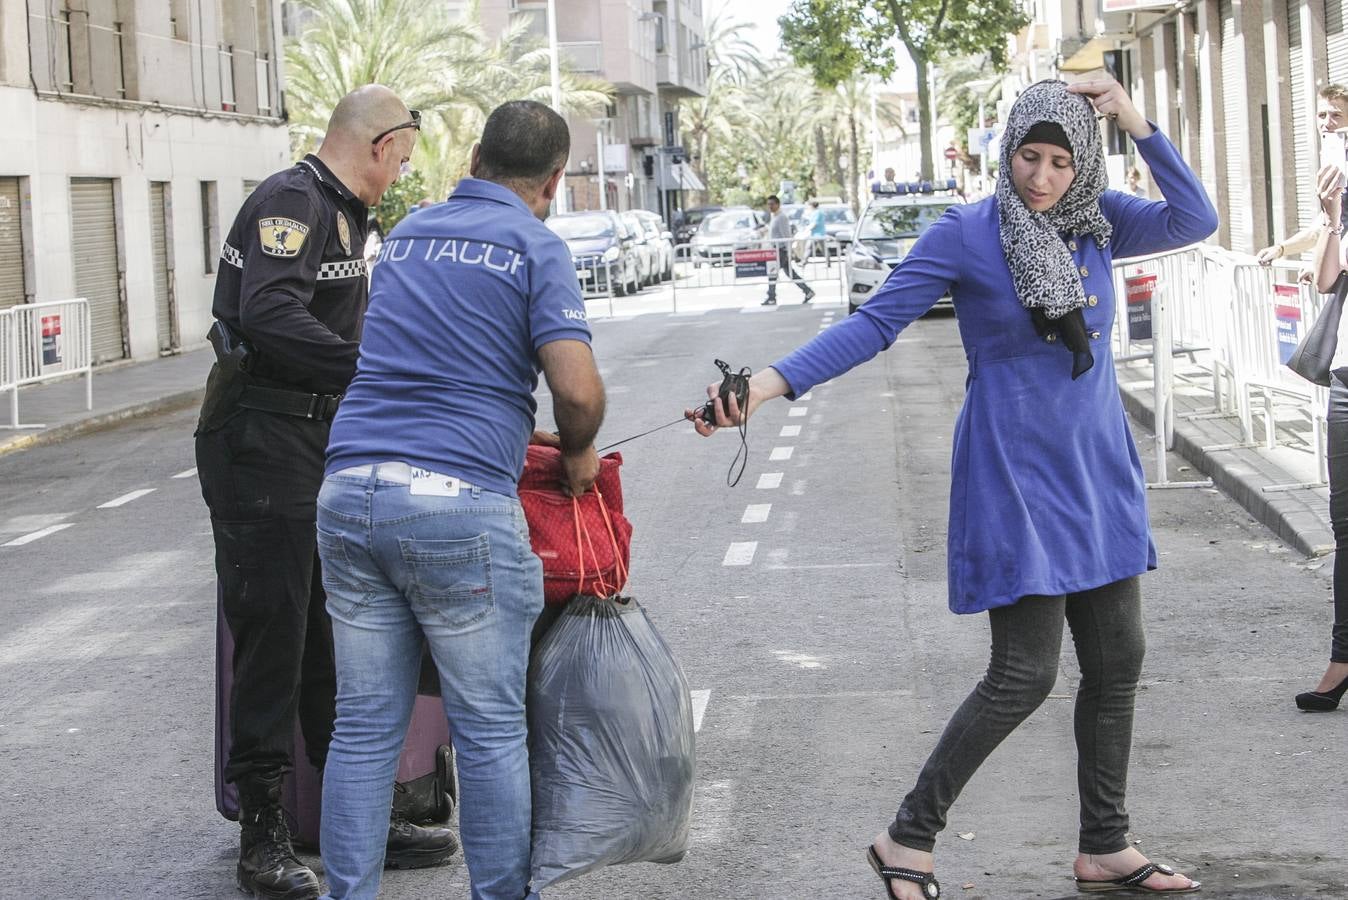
pixel 1235 323
pixel 43 341
pixel 757 262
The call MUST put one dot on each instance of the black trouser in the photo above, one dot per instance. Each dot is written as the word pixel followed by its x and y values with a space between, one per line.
pixel 260 474
pixel 1106 625
pixel 1338 514
pixel 784 267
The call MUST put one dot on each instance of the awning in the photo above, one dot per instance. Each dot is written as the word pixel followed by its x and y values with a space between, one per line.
pixel 1089 57
pixel 688 180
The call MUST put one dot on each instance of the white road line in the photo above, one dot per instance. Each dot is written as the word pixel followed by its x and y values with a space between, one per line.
pixel 780 453
pixel 796 412
pixel 805 396
pixel 769 480
pixel 790 431
pixel 187 474
pixel 700 699
pixel 36 535
pixel 126 498
pixel 740 553
pixel 756 512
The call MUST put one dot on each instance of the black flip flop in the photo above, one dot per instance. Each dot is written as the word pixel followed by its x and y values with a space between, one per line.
pixel 931 888
pixel 1133 882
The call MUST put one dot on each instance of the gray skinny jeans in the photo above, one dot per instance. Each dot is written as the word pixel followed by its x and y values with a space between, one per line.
pixel 1106 625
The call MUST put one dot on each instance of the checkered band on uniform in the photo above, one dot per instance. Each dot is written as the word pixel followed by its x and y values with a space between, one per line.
pixel 231 256
pixel 350 268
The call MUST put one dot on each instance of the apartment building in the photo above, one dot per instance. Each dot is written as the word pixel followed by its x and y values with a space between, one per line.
pixel 653 53
pixel 136 128
pixel 1232 82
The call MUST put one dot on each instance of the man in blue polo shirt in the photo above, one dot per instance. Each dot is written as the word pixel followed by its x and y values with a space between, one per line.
pixel 419 526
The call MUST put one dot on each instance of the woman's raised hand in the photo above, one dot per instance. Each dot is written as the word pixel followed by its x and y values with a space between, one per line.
pixel 1110 99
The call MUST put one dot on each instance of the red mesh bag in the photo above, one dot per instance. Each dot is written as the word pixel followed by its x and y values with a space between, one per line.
pixel 585 542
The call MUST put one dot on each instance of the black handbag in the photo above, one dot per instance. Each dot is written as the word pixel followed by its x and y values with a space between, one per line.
pixel 1313 355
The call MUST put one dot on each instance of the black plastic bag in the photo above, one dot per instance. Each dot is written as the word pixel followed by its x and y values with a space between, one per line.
pixel 610 743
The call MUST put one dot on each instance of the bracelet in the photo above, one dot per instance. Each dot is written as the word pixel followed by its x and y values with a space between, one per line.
pixel 1334 229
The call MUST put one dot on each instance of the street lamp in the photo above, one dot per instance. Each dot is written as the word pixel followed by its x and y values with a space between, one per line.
pixel 599 126
pixel 554 67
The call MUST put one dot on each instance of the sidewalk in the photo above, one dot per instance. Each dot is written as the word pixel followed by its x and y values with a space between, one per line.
pixel 1299 516
pixel 121 391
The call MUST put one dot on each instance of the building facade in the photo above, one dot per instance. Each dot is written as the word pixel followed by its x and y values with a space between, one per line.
pixel 652 52
pixel 136 129
pixel 1232 82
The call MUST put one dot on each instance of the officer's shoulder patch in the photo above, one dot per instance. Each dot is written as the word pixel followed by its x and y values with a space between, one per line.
pixel 281 236
pixel 344 233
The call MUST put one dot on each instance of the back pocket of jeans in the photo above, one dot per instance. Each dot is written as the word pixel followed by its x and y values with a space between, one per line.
pixel 345 590
pixel 450 578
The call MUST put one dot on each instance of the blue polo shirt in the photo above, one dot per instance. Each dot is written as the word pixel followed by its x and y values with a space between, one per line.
pixel 463 295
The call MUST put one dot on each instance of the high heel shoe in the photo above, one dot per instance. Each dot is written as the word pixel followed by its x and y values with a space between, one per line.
pixel 1322 701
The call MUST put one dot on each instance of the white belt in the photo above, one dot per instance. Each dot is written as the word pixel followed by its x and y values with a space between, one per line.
pixel 398 473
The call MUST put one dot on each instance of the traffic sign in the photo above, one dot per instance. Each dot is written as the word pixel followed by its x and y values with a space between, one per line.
pixel 951 153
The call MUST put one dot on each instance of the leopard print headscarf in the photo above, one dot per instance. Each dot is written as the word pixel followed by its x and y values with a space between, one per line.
pixel 1042 269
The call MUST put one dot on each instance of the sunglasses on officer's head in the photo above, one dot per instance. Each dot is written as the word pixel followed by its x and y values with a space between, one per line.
pixel 414 123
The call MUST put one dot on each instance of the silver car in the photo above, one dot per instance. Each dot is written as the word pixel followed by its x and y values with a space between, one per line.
pixel 888 227
pixel 722 233
pixel 661 238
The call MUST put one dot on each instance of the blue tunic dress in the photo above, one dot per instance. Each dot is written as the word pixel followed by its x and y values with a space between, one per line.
pixel 1047 493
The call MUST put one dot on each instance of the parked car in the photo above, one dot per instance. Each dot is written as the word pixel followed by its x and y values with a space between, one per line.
pixel 602 246
pixel 687 221
pixel 722 233
pixel 648 255
pixel 659 235
pixel 888 227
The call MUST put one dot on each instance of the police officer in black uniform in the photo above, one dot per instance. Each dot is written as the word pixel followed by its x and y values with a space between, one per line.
pixel 289 300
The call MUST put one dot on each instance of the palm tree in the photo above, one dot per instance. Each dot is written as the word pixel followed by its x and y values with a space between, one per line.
pixel 717 116
pixel 446 67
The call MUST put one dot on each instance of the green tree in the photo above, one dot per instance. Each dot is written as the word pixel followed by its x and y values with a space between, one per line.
pixel 835 39
pixel 445 66
pixel 712 123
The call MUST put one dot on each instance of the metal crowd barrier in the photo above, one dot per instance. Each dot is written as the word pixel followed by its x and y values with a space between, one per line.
pixel 745 263
pixel 1236 322
pixel 43 341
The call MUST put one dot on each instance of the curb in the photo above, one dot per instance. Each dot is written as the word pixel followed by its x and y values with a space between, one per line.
pixel 93 422
pixel 1286 514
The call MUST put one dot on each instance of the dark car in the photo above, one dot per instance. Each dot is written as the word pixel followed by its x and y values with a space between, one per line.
pixel 603 249
pixel 686 222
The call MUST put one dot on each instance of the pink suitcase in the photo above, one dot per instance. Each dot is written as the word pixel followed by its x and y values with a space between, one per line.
pixel 426 767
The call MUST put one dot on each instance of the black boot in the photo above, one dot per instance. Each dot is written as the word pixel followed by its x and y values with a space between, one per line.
pixel 417 846
pixel 267 864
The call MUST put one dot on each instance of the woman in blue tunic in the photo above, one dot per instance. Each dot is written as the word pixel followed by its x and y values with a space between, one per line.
pixel 1048 515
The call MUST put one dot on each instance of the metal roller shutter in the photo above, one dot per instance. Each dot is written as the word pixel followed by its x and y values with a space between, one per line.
pixel 11 244
pixel 1336 42
pixel 1237 164
pixel 93 232
pixel 1305 154
pixel 163 300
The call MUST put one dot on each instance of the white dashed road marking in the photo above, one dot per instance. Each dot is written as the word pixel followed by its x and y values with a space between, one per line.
pixel 797 411
pixel 805 396
pixel 790 431
pixel 187 474
pixel 779 453
pixel 126 498
pixel 769 480
pixel 740 553
pixel 700 699
pixel 756 512
pixel 36 535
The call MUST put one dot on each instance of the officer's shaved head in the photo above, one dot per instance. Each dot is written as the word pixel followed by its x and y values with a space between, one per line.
pixel 523 141
pixel 365 112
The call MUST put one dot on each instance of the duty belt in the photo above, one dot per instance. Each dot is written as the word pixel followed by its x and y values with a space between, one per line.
pixel 290 403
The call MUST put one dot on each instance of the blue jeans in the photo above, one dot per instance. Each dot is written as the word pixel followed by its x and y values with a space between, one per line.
pixel 458 570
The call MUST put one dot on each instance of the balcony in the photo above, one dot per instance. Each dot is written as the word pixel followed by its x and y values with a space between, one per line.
pixel 586 57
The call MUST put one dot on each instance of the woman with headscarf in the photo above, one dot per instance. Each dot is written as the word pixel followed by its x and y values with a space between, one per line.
pixel 1048 513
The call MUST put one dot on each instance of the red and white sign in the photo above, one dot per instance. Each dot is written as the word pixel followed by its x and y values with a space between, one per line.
pixel 951 153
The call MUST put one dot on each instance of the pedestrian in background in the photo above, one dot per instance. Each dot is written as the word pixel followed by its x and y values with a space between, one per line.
pixel 419 524
pixel 1134 178
pixel 779 231
pixel 1331 112
pixel 1334 682
pixel 1048 515
pixel 289 300
pixel 818 232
